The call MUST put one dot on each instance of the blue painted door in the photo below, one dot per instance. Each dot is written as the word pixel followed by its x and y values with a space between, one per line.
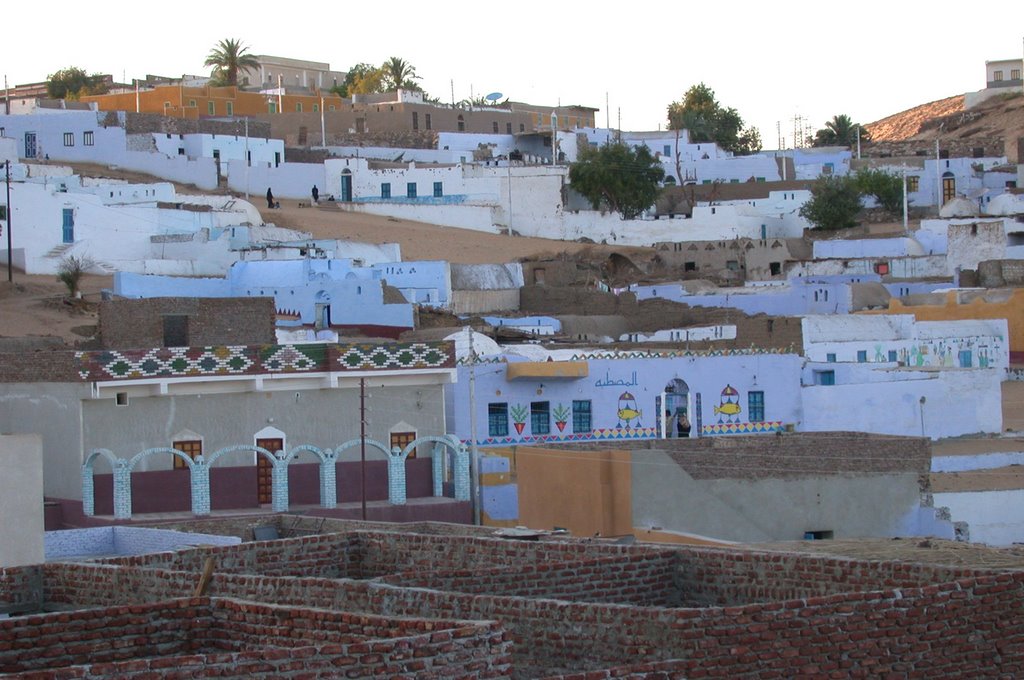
pixel 346 187
pixel 30 145
pixel 69 225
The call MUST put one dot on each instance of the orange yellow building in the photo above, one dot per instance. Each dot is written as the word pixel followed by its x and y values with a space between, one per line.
pixel 182 101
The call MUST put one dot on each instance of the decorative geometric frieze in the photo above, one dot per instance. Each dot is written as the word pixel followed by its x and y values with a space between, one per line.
pixel 743 428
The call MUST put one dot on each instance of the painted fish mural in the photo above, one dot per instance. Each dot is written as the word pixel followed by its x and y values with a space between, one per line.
pixel 628 410
pixel 729 406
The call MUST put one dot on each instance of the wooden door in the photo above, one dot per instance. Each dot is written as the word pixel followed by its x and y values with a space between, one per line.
pixel 403 439
pixel 264 478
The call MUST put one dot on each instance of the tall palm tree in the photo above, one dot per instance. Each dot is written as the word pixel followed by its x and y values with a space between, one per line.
pixel 228 58
pixel 840 131
pixel 398 73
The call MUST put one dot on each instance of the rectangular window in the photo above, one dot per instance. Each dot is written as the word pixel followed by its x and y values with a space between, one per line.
pixel 1015 74
pixel 316 108
pixel 229 108
pixel 508 128
pixel 191 448
pixel 581 419
pixel 732 265
pixel 755 407
pixel 862 356
pixel 540 417
pixel 175 330
pixel 426 120
pixel 410 190
pixel 495 127
pixel 87 138
pixel 913 183
pixel 438 189
pixel 824 377
pixel 830 357
pixel 385 190
pixel 965 358
pixel 497 420
pixel 69 139
pixel 774 268
pixel 522 127
pixel 211 108
pixel 69 225
pixel 3 213
pixel 415 120
pixel 668 150
pixel 892 355
pixel 298 107
pixel 997 76
pixel 689 266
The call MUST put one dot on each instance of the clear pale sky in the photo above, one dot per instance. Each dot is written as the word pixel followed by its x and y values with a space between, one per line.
pixel 769 60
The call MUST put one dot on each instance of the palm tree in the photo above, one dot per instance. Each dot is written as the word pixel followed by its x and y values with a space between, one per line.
pixel 840 131
pixel 398 73
pixel 228 58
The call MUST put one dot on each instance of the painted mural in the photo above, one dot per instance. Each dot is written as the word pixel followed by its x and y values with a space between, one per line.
pixel 628 412
pixel 729 408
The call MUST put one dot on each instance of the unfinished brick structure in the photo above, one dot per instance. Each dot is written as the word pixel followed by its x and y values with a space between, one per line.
pixel 366 602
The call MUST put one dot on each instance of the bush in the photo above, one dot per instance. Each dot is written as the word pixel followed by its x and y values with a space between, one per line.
pixel 834 204
pixel 71 270
pixel 886 187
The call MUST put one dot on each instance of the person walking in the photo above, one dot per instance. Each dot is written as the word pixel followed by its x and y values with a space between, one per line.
pixel 316 194
pixel 270 198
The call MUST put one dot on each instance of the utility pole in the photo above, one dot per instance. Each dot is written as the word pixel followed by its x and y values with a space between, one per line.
pixel 362 444
pixel 10 218
pixel 474 459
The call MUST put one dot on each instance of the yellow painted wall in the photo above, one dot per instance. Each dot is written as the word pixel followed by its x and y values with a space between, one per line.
pixel 1004 303
pixel 177 102
pixel 586 492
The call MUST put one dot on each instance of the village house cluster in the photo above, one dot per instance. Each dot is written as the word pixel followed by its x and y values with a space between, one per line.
pixel 747 380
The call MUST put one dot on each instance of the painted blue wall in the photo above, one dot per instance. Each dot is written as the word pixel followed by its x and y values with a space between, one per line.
pixel 800 296
pixel 623 393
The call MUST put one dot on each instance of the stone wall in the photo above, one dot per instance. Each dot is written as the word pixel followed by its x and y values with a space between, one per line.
pixel 126 324
pixel 999 274
pixel 136 123
pixel 957 148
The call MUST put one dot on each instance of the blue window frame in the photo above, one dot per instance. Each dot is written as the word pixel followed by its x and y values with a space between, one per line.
pixel 824 377
pixel 965 358
pixel 385 190
pixel 893 355
pixel 581 418
pixel 755 407
pixel 410 190
pixel 438 189
pixel 830 357
pixel 497 420
pixel 862 356
pixel 540 417
pixel 69 225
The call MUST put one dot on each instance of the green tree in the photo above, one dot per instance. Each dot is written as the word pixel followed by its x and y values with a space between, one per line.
pixel 399 74
pixel 886 187
pixel 229 58
pixel 834 203
pixel 617 177
pixel 362 78
pixel 840 131
pixel 73 82
pixel 705 120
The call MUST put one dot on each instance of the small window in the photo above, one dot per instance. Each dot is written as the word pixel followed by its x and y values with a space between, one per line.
pixel 892 355
pixel 385 190
pixel 997 76
pixel 774 268
pixel 495 126
pixel 497 420
pixel 87 138
pixel 522 127
pixel 462 123
pixel 298 107
pixel 229 108
pixel 881 268
pixel 1014 74
pixel 426 121
pixel 824 377
pixel 410 190
pixel 913 183
pixel 862 356
pixel 689 266
pixel 415 120
pixel 211 107
pixel 830 357
pixel 69 139
pixel 581 420
pixel 3 213
pixel 508 128
pixel 438 189
pixel 732 265
pixel 331 107
pixel 316 108
pixel 755 406
pixel 191 448
pixel 121 398
pixel 540 417
pixel 825 535
pixel 175 330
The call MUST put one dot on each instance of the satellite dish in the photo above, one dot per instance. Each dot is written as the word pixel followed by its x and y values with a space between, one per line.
pixel 494 96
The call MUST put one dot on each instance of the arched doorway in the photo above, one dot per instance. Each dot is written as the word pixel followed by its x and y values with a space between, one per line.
pixel 948 187
pixel 676 409
pixel 346 185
